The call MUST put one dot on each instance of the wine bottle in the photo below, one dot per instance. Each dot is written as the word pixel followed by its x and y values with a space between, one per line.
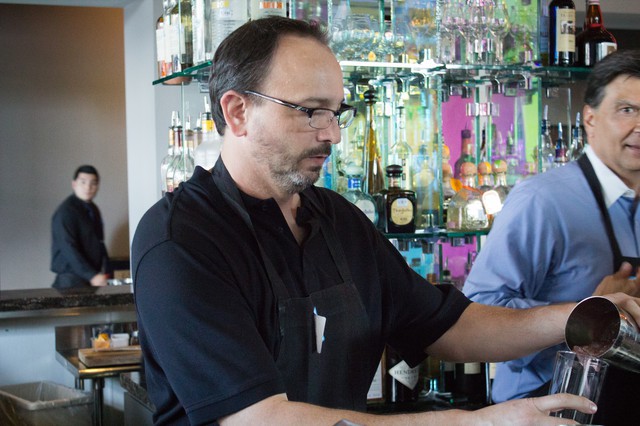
pixel 594 42
pixel 470 381
pixel 562 27
pixel 373 177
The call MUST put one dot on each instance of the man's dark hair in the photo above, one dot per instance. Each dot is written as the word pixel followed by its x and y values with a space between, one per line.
pixel 243 59
pixel 621 62
pixel 86 169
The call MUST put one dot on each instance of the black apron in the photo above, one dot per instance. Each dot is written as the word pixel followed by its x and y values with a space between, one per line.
pixel 334 375
pixel 619 402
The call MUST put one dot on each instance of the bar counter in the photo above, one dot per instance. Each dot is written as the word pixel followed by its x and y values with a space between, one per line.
pixel 61 302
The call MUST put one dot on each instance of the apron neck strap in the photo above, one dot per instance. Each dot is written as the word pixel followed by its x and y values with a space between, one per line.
pixel 596 189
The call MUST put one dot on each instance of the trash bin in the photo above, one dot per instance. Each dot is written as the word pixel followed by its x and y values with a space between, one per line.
pixel 43 404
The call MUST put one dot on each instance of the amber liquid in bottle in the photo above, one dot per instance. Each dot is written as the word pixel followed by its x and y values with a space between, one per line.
pixel 373 177
pixel 562 28
pixel 594 42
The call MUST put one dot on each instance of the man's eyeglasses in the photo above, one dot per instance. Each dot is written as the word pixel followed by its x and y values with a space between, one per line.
pixel 319 118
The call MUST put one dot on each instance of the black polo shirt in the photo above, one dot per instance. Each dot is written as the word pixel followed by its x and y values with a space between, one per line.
pixel 206 311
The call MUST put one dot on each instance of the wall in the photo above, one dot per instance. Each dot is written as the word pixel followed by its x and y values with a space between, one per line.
pixel 63 104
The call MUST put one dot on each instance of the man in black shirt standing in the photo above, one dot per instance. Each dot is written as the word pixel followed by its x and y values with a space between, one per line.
pixel 78 254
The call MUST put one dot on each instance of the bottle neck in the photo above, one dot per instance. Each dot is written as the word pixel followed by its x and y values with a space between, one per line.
pixel 469 180
pixel 394 182
pixel 501 179
pixel 593 17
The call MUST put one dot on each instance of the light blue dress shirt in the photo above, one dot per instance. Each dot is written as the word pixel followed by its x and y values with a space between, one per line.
pixel 549 245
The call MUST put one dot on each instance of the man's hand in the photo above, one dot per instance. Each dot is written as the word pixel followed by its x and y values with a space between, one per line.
pixel 620 282
pixel 534 411
pixel 99 280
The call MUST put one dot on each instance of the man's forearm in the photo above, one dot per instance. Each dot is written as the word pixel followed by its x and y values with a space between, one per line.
pixel 492 333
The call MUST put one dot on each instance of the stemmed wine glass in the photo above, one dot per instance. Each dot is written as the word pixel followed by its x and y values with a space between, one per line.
pixel 499 27
pixel 449 33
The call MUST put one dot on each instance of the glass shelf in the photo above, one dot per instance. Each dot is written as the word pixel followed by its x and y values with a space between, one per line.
pixel 437 234
pixel 184 77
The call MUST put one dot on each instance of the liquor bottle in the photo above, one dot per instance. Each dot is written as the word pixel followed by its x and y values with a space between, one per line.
pixel 373 173
pixel 186 35
pixel 180 35
pixel 207 153
pixel 262 9
pixel 169 18
pixel 427 187
pixel 467 152
pixel 561 149
pixel 166 161
pixel 354 194
pixel 226 16
pixel 447 189
pixel 399 204
pixel 577 141
pixel 547 148
pixel 500 174
pixel 466 211
pixel 485 176
pixel 401 381
pixel 181 167
pixel 562 27
pixel 493 199
pixel 160 46
pixel 201 31
pixel 594 42
pixel 513 161
pixel 400 152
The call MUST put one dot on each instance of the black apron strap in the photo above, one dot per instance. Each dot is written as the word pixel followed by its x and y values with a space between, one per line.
pixel 231 194
pixel 596 189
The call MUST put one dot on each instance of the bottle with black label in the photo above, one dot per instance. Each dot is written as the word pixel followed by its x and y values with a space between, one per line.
pixel 594 42
pixel 399 204
pixel 562 33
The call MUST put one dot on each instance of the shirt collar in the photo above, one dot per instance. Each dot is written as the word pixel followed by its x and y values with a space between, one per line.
pixel 612 186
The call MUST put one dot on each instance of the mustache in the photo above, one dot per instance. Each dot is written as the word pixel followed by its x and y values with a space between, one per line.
pixel 321 150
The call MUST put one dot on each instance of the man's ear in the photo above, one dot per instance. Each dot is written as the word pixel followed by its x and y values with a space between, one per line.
pixel 234 108
pixel 588 120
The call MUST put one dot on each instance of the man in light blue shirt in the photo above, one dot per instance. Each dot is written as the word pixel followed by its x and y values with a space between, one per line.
pixel 551 243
